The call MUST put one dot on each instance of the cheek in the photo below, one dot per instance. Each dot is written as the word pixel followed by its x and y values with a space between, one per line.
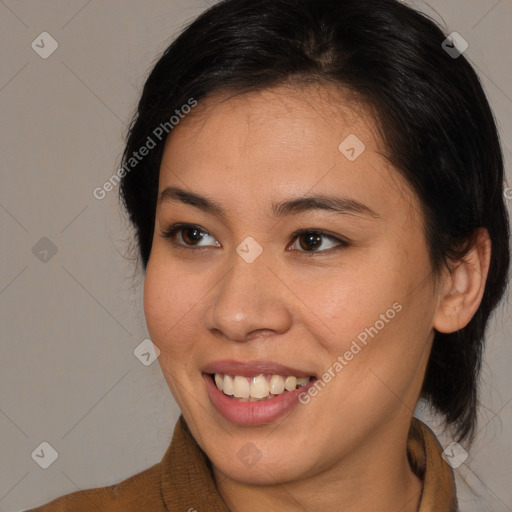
pixel 348 298
pixel 170 305
pixel 155 300
pixel 382 304
pixel 169 301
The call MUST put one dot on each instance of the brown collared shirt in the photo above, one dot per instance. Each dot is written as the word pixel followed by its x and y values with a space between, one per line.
pixel 183 481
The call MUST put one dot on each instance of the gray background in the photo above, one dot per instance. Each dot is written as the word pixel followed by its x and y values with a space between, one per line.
pixel 68 375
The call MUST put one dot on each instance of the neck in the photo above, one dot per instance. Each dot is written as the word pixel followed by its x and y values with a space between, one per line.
pixel 377 476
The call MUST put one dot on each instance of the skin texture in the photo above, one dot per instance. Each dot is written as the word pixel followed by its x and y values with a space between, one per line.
pixel 299 307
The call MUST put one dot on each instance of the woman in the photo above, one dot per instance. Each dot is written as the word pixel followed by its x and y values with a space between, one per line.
pixel 324 238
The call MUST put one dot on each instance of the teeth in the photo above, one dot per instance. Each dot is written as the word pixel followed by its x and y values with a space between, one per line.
pixel 276 384
pixel 241 387
pixel 259 387
pixel 290 383
pixel 218 381
pixel 227 385
pixel 255 389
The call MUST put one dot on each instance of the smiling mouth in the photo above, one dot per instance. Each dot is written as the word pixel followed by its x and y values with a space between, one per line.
pixel 260 388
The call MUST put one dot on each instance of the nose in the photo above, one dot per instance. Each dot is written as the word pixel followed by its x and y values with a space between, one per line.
pixel 249 302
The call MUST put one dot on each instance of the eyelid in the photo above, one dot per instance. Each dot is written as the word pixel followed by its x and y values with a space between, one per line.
pixel 169 233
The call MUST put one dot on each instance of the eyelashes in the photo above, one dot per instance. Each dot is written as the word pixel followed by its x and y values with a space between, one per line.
pixel 198 234
pixel 170 234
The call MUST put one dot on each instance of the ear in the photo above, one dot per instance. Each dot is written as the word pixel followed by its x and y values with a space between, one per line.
pixel 463 287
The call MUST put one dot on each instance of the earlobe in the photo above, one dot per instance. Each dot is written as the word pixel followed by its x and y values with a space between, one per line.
pixel 464 286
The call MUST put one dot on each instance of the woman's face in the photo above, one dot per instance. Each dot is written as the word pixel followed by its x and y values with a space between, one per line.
pixel 349 303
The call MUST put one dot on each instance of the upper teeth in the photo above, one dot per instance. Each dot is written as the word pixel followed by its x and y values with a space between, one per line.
pixel 258 388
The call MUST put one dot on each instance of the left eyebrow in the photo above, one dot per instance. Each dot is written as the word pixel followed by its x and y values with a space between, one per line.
pixel 340 205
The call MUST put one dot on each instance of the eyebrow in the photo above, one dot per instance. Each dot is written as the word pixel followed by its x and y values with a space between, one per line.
pixel 339 205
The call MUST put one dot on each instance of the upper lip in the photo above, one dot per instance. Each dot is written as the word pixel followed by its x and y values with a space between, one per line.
pixel 253 368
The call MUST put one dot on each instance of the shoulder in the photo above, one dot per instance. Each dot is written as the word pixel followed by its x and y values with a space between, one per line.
pixel 425 455
pixel 139 492
pixel 183 475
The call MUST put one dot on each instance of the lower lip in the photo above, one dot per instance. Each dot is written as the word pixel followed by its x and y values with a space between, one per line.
pixel 252 413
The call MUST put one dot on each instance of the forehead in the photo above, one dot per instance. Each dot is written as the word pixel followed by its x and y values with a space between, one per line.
pixel 281 140
pixel 285 115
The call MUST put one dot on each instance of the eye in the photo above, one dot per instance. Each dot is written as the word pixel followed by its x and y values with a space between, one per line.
pixel 310 241
pixel 191 236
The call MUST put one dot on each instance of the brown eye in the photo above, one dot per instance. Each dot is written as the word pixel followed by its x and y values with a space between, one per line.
pixel 310 241
pixel 187 236
pixel 191 235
